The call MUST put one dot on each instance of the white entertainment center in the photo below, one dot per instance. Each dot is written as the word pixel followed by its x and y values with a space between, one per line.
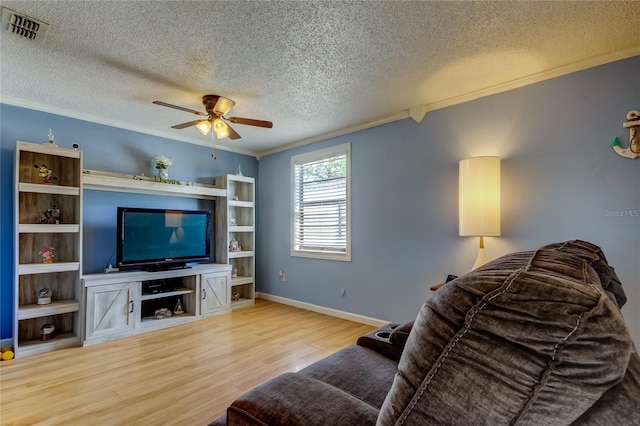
pixel 93 308
pixel 115 302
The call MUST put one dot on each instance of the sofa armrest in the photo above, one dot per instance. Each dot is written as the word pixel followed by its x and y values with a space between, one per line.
pixel 388 340
pixel 293 399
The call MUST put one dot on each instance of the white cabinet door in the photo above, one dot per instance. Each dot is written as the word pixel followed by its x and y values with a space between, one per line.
pixel 112 309
pixel 215 293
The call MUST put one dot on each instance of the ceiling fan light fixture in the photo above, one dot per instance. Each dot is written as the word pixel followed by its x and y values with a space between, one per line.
pixel 221 128
pixel 204 126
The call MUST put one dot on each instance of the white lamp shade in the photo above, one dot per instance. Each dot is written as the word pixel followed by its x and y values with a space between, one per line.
pixel 479 197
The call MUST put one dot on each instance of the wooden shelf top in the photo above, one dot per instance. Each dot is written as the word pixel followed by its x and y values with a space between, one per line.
pixel 37 228
pixel 54 308
pixel 106 181
pixel 45 268
pixel 42 188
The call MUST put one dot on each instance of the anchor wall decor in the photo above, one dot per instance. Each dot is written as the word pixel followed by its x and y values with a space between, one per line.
pixel 633 150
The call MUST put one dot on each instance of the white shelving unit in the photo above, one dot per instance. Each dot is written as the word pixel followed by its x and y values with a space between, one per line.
pixel 235 220
pixel 32 196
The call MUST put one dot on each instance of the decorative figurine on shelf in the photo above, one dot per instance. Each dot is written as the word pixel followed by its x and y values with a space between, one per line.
pixel 162 164
pixel 45 173
pixel 162 313
pixel 235 297
pixel 234 273
pixel 232 222
pixel 178 309
pixel 234 245
pixel 51 140
pixel 44 296
pixel 51 216
pixel 47 254
pixel 236 198
pixel 46 331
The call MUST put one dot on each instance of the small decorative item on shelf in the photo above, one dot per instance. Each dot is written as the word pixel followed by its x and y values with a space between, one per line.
pixel 236 198
pixel 51 140
pixel 178 310
pixel 46 331
pixel 234 272
pixel 45 173
pixel 51 216
pixel 239 170
pixel 236 297
pixel 234 245
pixel 162 163
pixel 162 313
pixel 47 254
pixel 44 296
pixel 232 221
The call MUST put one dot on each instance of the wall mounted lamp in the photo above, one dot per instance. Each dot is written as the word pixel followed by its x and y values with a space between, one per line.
pixel 479 201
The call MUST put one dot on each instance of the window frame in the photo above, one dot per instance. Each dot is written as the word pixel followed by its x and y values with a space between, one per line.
pixel 312 156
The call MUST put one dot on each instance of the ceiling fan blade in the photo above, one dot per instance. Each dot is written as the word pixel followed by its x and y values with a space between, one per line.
pixel 232 133
pixel 251 122
pixel 193 111
pixel 185 125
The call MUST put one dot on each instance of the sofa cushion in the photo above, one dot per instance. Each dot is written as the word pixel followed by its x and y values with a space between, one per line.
pixel 620 405
pixel 595 257
pixel 293 399
pixel 358 371
pixel 531 338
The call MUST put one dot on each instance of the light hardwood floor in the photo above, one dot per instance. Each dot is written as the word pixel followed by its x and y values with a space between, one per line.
pixel 184 375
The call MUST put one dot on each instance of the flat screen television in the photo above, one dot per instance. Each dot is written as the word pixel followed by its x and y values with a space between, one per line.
pixel 159 239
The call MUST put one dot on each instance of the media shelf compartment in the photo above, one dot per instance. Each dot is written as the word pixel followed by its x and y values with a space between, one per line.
pixel 176 292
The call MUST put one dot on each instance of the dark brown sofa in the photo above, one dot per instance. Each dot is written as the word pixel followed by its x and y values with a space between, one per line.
pixel 532 338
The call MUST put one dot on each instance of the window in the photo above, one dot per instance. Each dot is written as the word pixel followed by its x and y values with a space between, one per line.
pixel 321 217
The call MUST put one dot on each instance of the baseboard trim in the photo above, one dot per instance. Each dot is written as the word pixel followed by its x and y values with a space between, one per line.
pixel 323 310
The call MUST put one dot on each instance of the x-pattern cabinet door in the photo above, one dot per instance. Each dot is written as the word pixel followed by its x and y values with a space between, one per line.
pixel 215 293
pixel 112 309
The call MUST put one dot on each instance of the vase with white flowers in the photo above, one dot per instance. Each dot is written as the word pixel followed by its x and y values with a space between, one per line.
pixel 162 163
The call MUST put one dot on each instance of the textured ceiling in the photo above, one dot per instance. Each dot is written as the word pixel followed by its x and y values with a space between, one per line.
pixel 313 68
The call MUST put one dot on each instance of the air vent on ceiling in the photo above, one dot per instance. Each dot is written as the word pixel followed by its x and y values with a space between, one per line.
pixel 23 25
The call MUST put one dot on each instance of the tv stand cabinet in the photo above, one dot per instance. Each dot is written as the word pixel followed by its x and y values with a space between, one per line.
pixel 117 306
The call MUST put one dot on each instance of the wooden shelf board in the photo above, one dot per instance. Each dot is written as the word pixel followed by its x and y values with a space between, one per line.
pixel 45 268
pixel 54 308
pixel 241 228
pixel 236 203
pixel 151 322
pixel 242 303
pixel 47 148
pixel 32 347
pixel 42 188
pixel 177 292
pixel 37 228
pixel 241 281
pixel 236 254
pixel 105 181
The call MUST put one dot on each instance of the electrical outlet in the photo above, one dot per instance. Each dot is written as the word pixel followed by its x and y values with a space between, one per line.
pixel 283 278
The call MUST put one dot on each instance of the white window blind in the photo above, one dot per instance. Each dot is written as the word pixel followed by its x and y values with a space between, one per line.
pixel 321 211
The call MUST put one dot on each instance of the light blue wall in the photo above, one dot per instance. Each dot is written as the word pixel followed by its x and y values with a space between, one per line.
pixel 104 148
pixel 560 181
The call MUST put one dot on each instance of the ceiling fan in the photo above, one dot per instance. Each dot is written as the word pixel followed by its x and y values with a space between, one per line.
pixel 217 108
